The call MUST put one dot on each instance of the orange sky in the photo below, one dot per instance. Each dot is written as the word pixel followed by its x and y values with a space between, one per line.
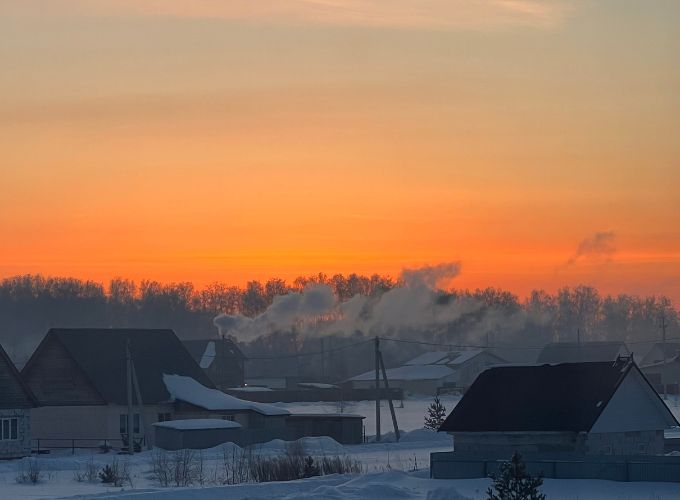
pixel 215 140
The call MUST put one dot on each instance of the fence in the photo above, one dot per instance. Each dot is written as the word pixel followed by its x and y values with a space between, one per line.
pixel 44 445
pixel 451 465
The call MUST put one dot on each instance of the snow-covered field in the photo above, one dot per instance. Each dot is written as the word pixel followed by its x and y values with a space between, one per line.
pixel 392 470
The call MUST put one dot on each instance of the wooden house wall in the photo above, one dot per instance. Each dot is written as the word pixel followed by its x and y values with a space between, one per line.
pixel 55 379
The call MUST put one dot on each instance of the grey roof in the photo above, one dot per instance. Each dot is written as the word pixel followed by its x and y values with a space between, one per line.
pixel 100 354
pixel 584 352
pixel 14 393
pixel 545 398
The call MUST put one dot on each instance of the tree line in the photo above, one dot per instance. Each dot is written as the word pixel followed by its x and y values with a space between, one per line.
pixel 31 304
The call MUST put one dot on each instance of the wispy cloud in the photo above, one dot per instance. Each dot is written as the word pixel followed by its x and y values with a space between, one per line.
pixel 370 13
pixel 597 247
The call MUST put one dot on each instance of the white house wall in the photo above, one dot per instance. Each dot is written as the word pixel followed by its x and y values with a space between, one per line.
pixel 633 407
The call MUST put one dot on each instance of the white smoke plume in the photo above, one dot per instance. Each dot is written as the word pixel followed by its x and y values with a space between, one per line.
pixel 317 311
pixel 599 247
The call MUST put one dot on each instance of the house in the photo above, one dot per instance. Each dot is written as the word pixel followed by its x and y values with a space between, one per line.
pixel 16 403
pixel 581 352
pixel 664 375
pixel 594 408
pixel 432 371
pixel 79 377
pixel 221 359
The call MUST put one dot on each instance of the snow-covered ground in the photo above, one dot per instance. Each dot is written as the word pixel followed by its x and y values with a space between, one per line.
pixel 392 470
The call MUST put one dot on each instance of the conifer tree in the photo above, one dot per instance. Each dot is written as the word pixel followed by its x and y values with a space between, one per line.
pixel 512 482
pixel 436 414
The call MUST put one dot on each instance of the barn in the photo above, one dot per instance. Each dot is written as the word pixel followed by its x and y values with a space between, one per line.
pixel 16 403
pixel 598 408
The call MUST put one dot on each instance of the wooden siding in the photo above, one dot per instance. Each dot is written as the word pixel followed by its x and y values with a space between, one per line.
pixel 12 393
pixel 55 379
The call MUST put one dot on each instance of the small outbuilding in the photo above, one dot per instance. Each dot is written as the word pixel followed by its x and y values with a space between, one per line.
pixel 16 402
pixel 601 408
pixel 195 434
pixel 345 428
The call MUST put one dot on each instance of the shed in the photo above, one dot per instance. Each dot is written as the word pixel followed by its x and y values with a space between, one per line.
pixel 195 434
pixel 16 402
pixel 345 428
pixel 600 408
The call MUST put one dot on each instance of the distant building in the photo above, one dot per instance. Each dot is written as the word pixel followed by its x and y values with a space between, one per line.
pixel 16 403
pixel 581 352
pixel 664 375
pixel 221 359
pixel 600 408
pixel 431 371
pixel 79 377
pixel 661 351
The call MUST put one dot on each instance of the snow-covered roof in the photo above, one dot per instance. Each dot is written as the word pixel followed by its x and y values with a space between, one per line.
pixel 316 385
pixel 199 423
pixel 326 415
pixel 458 358
pixel 208 355
pixel 250 388
pixel 188 390
pixel 410 372
pixel 429 358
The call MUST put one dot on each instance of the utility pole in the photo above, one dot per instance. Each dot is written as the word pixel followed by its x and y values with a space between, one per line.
pixel 377 388
pixel 389 398
pixel 140 403
pixel 128 359
pixel 663 347
pixel 578 344
pixel 323 362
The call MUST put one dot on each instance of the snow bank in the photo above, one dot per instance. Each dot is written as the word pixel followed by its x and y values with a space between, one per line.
pixel 190 391
pixel 199 423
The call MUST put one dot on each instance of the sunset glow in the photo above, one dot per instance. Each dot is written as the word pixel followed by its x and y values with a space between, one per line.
pixel 217 141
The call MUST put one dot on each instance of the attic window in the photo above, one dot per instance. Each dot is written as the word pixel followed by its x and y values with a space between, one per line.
pixel 599 403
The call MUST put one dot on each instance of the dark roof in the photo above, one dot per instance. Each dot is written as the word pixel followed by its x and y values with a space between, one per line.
pixel 14 393
pixel 584 352
pixel 225 348
pixel 565 397
pixel 100 354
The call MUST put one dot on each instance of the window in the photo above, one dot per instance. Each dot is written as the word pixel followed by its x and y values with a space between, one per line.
pixel 228 417
pixel 123 423
pixel 164 417
pixel 9 429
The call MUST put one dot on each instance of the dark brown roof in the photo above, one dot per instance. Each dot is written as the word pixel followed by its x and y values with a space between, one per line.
pixel 565 397
pixel 14 393
pixel 100 354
